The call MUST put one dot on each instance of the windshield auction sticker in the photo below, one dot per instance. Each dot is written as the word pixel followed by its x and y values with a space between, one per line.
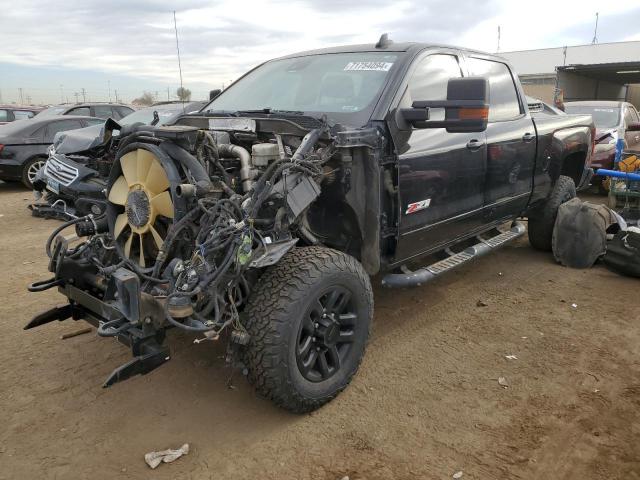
pixel 368 66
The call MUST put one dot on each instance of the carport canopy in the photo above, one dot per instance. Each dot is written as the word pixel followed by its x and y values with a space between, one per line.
pixel 622 73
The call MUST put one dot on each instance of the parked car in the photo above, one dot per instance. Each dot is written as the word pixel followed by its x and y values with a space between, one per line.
pixel 24 144
pixel 75 175
pixel 97 110
pixel 612 121
pixel 264 215
pixel 11 113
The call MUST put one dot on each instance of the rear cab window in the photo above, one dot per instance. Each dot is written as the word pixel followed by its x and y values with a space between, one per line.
pixel 504 102
pixel 4 115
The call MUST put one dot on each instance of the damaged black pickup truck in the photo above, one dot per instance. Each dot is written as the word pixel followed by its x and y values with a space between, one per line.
pixel 260 219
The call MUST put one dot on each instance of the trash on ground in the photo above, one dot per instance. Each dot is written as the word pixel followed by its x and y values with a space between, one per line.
pixel 82 331
pixel 574 305
pixel 510 357
pixel 623 252
pixel 458 474
pixel 480 303
pixel 154 459
pixel 580 233
pixel 503 382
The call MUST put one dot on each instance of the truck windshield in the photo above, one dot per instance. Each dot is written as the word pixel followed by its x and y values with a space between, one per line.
pixel 345 86
pixel 603 117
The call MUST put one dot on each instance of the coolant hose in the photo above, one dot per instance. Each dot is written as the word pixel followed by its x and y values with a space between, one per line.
pixel 246 174
pixel 188 161
pixel 60 228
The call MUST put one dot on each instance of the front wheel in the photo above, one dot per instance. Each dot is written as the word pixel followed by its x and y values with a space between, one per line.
pixel 309 318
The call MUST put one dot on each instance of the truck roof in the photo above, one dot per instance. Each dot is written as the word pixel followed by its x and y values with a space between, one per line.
pixel 390 47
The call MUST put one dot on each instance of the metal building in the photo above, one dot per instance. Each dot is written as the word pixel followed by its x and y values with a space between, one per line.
pixel 603 71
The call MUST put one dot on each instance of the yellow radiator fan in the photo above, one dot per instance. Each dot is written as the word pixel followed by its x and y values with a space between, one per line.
pixel 143 191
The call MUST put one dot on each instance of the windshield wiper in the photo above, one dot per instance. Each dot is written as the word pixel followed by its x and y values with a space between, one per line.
pixel 269 110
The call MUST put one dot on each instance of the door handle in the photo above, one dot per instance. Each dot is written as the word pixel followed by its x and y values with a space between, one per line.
pixel 475 144
pixel 527 137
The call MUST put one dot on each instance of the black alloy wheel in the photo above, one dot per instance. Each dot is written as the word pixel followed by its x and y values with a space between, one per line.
pixel 326 334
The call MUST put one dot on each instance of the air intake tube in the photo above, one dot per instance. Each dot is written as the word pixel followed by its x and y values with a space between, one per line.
pixel 246 170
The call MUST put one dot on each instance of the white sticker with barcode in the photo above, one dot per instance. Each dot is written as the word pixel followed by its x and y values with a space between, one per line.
pixel 369 66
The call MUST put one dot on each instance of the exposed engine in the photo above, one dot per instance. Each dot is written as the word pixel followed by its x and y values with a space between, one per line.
pixel 191 218
pixel 192 225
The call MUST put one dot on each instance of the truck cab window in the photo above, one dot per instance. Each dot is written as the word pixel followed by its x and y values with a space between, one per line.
pixel 503 97
pixel 430 78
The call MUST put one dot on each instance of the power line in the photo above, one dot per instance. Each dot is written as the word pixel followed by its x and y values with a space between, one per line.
pixel 84 95
pixel 21 99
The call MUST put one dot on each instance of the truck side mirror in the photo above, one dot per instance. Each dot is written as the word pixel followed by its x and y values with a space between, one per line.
pixel 214 93
pixel 633 127
pixel 466 107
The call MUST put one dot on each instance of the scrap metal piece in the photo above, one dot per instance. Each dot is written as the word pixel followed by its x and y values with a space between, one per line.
pixel 273 252
pixel 155 356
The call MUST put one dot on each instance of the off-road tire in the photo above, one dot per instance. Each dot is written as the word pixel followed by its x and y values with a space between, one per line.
pixel 275 314
pixel 26 169
pixel 541 222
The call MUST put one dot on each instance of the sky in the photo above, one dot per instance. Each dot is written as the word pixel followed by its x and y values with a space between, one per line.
pixel 51 51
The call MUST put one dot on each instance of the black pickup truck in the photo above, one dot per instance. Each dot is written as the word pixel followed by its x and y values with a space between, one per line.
pixel 260 219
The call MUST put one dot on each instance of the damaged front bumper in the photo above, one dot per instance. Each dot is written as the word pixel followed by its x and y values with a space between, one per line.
pixel 135 319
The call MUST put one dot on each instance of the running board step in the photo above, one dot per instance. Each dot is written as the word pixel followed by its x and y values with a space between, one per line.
pixel 426 274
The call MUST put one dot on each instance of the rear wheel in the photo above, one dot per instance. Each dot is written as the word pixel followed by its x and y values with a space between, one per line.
pixel 309 319
pixel 29 170
pixel 541 222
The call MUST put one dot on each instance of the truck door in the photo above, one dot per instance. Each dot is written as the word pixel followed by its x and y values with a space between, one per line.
pixel 511 142
pixel 441 174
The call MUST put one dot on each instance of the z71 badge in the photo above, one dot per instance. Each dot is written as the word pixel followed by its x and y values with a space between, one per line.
pixel 417 206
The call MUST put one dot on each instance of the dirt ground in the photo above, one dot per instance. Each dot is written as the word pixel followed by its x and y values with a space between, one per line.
pixel 425 404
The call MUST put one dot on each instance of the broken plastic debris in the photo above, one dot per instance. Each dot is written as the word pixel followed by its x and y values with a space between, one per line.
pixel 503 382
pixel 458 474
pixel 574 305
pixel 480 303
pixel 510 357
pixel 154 459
